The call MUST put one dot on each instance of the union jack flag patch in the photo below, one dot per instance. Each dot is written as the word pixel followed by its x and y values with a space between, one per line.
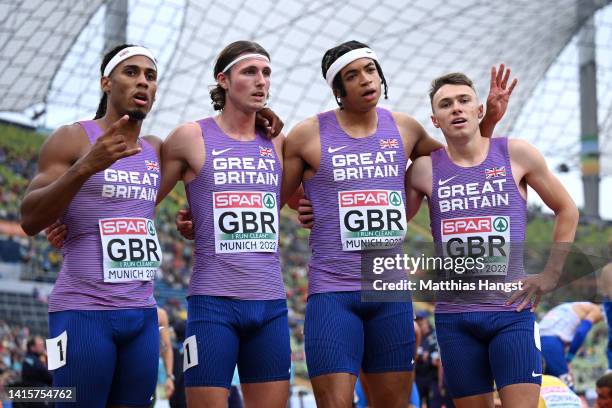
pixel 265 151
pixel 389 143
pixel 152 165
pixel 496 172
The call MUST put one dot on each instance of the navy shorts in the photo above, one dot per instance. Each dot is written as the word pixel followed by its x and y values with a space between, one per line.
pixel 479 347
pixel 222 332
pixel 343 334
pixel 553 351
pixel 111 356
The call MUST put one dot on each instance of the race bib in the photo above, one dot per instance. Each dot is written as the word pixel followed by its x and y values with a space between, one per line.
pixel 371 219
pixel 56 351
pixel 245 221
pixel 130 249
pixel 190 352
pixel 485 237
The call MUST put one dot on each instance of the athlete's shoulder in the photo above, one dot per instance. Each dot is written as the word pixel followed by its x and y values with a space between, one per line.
pixel 523 153
pixel 155 142
pixel 185 132
pixel 73 132
pixel 409 127
pixel 304 130
pixel 518 147
pixel 402 119
pixel 67 142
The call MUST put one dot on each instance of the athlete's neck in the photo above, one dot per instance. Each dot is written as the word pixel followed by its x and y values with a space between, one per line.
pixel 237 124
pixel 358 124
pixel 131 130
pixel 468 151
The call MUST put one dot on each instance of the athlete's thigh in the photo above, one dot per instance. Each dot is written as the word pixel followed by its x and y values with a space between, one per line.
pixel 211 342
pixel 333 334
pixel 137 358
pixel 515 350
pixel 90 355
pixel 265 352
pixel 464 354
pixel 269 394
pixel 389 389
pixel 389 338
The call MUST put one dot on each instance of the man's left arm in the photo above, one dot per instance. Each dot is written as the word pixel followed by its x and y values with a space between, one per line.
pixel 531 163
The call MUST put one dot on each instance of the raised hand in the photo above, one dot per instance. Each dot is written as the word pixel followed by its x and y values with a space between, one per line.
pixel 109 148
pixel 499 92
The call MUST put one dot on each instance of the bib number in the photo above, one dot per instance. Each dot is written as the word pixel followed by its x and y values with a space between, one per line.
pixel 486 237
pixel 371 219
pixel 190 353
pixel 245 221
pixel 130 248
pixel 56 351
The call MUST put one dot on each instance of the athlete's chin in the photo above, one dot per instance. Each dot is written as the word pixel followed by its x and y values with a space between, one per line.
pixel 367 106
pixel 458 133
pixel 137 115
pixel 256 107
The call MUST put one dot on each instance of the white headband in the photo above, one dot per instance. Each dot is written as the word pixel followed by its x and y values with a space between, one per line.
pixel 346 59
pixel 125 54
pixel 243 57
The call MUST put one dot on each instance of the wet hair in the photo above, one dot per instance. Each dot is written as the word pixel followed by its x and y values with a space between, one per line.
pixel 333 54
pixel 105 60
pixel 230 53
pixel 454 78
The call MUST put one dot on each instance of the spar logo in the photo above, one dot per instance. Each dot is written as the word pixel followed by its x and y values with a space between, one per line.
pixel 269 201
pixel 500 224
pixel 369 198
pixel 239 199
pixel 128 226
pixel 466 225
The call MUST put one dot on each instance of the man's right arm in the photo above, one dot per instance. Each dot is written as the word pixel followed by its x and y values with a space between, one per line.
pixel 60 176
pixel 417 184
pixel 63 169
pixel 182 157
pixel 293 157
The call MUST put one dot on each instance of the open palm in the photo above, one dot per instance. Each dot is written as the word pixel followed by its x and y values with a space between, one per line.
pixel 499 92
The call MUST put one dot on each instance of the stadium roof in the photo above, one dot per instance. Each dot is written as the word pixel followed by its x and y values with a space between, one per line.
pixel 51 49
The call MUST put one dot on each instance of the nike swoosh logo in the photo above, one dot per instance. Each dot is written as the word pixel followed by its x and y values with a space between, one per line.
pixel 443 182
pixel 533 374
pixel 412 361
pixel 218 152
pixel 334 149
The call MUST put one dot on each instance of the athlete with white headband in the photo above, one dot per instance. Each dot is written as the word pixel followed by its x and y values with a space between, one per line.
pixel 102 310
pixel 237 309
pixel 352 162
pixel 104 337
